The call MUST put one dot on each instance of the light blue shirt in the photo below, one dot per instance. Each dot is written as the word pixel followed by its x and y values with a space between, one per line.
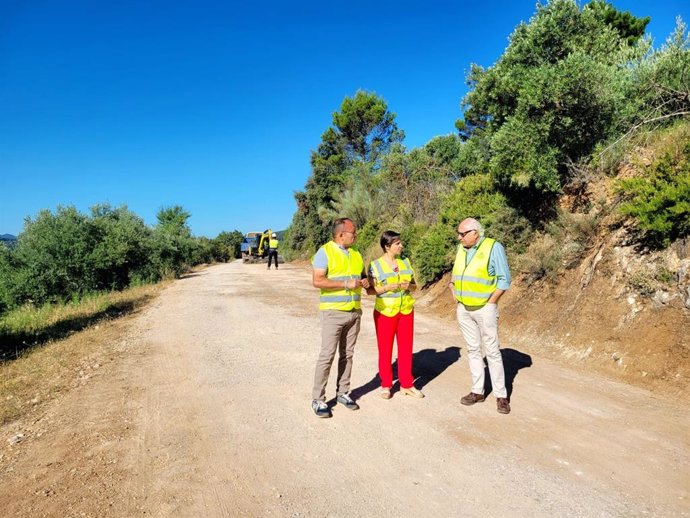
pixel 320 259
pixel 498 263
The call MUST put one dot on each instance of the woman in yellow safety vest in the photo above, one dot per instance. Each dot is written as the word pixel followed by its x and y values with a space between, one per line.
pixel 393 280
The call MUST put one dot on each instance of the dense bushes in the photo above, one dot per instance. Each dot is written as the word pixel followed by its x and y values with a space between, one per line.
pixel 560 106
pixel 659 199
pixel 66 254
pixel 475 196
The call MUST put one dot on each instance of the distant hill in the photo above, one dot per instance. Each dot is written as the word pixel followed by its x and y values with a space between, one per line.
pixel 8 239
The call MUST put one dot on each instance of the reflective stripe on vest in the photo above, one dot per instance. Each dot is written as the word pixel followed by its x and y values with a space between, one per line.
pixel 398 301
pixel 342 266
pixel 473 285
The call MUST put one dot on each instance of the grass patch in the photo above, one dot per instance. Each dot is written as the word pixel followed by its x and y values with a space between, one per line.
pixel 30 326
pixel 60 357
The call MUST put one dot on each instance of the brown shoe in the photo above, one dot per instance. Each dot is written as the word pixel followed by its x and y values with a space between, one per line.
pixel 502 405
pixel 472 398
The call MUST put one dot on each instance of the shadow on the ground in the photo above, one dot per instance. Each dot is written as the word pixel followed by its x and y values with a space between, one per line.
pixel 427 364
pixel 191 275
pixel 13 344
pixel 513 361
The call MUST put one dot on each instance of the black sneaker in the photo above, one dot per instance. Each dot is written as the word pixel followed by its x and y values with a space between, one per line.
pixel 347 402
pixel 320 408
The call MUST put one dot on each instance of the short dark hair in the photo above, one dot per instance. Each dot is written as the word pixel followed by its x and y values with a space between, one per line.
pixel 338 224
pixel 388 238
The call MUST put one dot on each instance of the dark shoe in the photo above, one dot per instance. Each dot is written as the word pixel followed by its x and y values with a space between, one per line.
pixel 472 398
pixel 320 408
pixel 502 405
pixel 347 402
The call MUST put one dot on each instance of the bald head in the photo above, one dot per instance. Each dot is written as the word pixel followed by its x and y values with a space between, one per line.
pixel 470 231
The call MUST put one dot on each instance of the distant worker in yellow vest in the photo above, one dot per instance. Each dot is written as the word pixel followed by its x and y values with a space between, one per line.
pixel 393 281
pixel 338 271
pixel 273 250
pixel 480 277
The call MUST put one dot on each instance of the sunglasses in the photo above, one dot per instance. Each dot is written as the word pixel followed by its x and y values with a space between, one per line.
pixel 463 234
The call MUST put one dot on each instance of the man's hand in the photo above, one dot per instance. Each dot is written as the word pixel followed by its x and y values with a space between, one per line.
pixel 357 283
pixel 496 295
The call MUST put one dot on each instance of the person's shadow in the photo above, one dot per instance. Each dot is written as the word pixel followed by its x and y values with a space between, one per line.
pixel 427 364
pixel 513 361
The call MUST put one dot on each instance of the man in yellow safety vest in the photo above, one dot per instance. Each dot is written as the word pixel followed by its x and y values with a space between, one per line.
pixel 338 271
pixel 480 277
pixel 273 250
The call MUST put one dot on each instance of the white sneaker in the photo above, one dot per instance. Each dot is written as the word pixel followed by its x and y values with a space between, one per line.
pixel 320 408
pixel 412 391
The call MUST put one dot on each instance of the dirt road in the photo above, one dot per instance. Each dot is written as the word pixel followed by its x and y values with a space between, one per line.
pixel 205 411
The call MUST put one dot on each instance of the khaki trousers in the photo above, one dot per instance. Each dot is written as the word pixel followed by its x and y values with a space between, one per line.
pixel 480 329
pixel 339 330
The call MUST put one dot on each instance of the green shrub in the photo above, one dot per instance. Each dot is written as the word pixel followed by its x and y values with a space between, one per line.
pixel 411 235
pixel 643 283
pixel 433 255
pixel 65 255
pixel 54 256
pixel 660 199
pixel 472 197
pixel 664 275
pixel 510 228
pixel 226 246
pixel 7 272
pixel 476 197
pixel 121 248
pixel 368 240
pixel 556 91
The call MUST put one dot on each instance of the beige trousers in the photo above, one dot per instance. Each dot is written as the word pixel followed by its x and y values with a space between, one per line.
pixel 339 330
pixel 480 329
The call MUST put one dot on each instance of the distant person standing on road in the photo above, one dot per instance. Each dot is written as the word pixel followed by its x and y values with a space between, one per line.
pixel 393 281
pixel 338 271
pixel 273 250
pixel 480 277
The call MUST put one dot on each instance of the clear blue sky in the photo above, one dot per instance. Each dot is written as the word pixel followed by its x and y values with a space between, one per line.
pixel 216 105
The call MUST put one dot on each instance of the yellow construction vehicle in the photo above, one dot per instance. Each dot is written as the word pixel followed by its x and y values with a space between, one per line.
pixel 254 246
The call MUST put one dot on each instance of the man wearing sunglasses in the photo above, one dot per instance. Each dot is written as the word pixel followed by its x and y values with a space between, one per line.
pixel 480 277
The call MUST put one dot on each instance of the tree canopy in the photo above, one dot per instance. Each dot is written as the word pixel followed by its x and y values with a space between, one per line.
pixel 362 132
pixel 554 94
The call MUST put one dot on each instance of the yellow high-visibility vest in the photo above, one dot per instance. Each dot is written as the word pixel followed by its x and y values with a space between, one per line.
pixel 397 301
pixel 342 266
pixel 473 285
pixel 273 243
